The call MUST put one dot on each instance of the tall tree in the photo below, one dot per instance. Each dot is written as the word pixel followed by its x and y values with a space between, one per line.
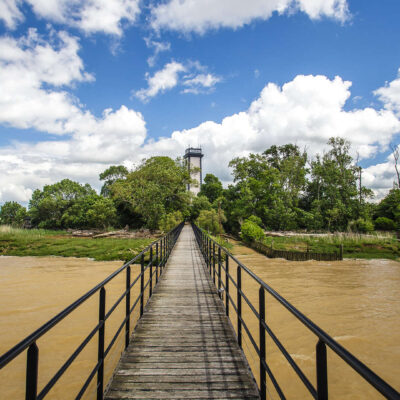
pixel 211 188
pixel 155 188
pixel 111 175
pixel 12 213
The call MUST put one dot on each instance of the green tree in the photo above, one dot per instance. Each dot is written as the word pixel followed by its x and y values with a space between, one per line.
pixel 92 211
pixel 387 207
pixel 199 203
pixel 48 206
pixel 12 213
pixel 110 176
pixel 333 195
pixel 211 188
pixel 209 221
pixel 170 221
pixel 155 188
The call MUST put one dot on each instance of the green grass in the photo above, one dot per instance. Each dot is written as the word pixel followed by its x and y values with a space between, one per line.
pixel 40 242
pixel 354 245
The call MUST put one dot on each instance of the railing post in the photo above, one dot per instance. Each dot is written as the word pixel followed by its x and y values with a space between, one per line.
pixel 261 299
pixel 227 284
pixel 141 284
pixel 128 305
pixel 322 371
pixel 151 272
pixel 219 272
pixel 32 365
pixel 156 262
pixel 213 256
pixel 100 352
pixel 239 305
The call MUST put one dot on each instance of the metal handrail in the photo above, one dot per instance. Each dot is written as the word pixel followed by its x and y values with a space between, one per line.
pixel 208 247
pixel 157 259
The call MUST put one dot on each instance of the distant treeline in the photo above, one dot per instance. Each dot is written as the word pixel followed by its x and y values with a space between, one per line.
pixel 279 189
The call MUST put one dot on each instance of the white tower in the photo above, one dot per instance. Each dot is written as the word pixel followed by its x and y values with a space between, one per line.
pixel 193 158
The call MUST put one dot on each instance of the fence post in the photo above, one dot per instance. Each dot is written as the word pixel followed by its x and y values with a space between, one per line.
pixel 261 300
pixel 128 305
pixel 219 272
pixel 213 262
pixel 227 284
pixel 239 305
pixel 209 252
pixel 156 262
pixel 341 252
pixel 100 352
pixel 151 272
pixel 141 284
pixel 32 365
pixel 322 371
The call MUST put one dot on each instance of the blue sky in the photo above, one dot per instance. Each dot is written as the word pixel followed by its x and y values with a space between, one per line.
pixel 87 84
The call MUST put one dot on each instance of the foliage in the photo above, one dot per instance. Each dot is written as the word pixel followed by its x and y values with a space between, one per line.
pixel 170 221
pixel 199 203
pixel 251 232
pixel 110 176
pixel 388 207
pixel 209 221
pixel 12 213
pixel 211 188
pixel 155 188
pixel 361 225
pixel 385 224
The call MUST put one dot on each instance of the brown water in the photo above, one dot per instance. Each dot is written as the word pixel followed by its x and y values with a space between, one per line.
pixel 357 302
pixel 33 290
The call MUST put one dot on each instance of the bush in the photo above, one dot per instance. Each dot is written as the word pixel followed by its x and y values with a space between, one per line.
pixel 361 226
pixel 385 224
pixel 255 219
pixel 251 232
pixel 208 220
pixel 170 221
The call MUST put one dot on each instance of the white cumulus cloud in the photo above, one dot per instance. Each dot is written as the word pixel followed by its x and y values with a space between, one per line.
pixel 195 81
pixel 390 94
pixel 107 16
pixel 202 15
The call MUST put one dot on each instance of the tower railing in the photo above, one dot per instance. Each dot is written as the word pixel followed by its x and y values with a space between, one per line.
pixel 218 259
pixel 152 260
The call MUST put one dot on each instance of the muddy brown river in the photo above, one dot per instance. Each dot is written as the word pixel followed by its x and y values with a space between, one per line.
pixel 355 301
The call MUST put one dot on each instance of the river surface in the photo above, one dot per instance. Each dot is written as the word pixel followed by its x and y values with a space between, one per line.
pixel 35 289
pixel 355 301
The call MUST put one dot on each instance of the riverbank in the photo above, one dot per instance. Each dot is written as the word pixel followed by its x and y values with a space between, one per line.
pixel 354 245
pixel 40 242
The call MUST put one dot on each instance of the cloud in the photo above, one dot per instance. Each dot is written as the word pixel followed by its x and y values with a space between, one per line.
pixel 158 48
pixel 202 15
pixel 33 77
pixel 10 13
pixel 162 80
pixel 91 16
pixel 170 77
pixel 390 95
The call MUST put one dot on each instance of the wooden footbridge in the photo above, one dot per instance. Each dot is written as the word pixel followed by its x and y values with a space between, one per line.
pixel 186 345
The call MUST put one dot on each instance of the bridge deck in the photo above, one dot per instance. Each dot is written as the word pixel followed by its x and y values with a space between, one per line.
pixel 183 346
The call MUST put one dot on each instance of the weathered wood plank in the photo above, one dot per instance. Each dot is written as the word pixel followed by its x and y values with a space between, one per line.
pixel 183 346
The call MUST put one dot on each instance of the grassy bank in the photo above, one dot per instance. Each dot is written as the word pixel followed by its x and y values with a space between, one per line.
pixel 354 245
pixel 40 242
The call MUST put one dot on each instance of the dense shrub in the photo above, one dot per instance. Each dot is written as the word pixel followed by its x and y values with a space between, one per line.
pixel 361 225
pixel 251 232
pixel 208 220
pixel 385 224
pixel 170 221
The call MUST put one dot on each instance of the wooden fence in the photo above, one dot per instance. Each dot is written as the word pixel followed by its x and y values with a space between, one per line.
pixel 292 255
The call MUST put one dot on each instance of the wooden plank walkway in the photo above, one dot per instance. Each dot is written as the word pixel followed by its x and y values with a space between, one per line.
pixel 183 346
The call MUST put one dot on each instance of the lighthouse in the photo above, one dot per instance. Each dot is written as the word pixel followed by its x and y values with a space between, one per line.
pixel 193 158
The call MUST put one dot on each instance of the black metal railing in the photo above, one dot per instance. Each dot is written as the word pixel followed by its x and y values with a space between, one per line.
pixel 217 256
pixel 158 253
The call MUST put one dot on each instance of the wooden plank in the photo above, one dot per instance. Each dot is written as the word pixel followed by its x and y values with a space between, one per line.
pixel 183 346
